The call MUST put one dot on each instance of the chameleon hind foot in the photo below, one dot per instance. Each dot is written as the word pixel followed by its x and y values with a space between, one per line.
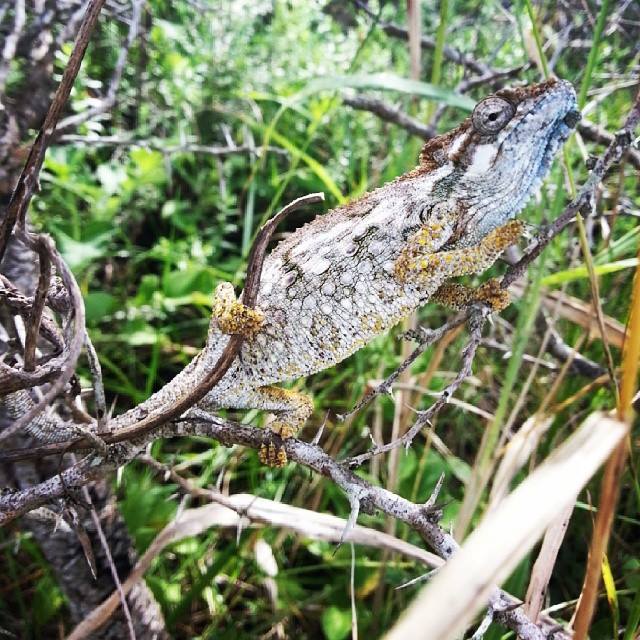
pixel 271 454
pixel 233 317
pixel 293 408
pixel 457 296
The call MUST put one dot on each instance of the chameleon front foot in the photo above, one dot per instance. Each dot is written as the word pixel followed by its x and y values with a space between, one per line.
pixel 457 296
pixel 233 317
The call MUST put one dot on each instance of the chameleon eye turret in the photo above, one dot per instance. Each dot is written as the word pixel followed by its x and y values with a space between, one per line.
pixel 491 115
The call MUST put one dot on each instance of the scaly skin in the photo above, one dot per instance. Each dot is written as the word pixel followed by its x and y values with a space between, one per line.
pixel 353 273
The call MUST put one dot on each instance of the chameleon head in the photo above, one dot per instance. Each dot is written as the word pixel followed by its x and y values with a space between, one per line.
pixel 499 156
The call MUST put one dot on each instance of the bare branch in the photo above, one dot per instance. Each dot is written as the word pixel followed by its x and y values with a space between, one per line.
pixel 110 99
pixel 165 148
pixel 44 249
pixel 28 180
pixel 476 318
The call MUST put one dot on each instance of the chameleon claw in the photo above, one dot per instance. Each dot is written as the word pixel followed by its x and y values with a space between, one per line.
pixel 271 455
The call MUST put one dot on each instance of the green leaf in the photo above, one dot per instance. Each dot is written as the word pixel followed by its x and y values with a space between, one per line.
pixel 336 623
pixel 98 304
pixel 387 82
pixel 581 273
pixel 186 281
pixel 79 254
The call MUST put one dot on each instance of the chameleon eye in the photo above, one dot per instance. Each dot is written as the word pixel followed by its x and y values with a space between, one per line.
pixel 491 115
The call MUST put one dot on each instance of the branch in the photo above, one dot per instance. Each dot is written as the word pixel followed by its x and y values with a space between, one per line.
pixel 110 99
pixel 427 42
pixel 477 317
pixel 156 145
pixel 418 517
pixel 28 180
pixel 389 113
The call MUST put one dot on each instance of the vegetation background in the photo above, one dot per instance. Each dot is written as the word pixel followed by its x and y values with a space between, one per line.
pixel 151 223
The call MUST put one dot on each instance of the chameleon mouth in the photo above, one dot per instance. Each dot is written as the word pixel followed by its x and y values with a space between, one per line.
pixel 572 118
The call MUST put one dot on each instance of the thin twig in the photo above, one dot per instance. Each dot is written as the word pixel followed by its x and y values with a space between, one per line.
pixel 107 552
pixel 476 320
pixel 11 42
pixel 98 386
pixel 44 249
pixel 426 338
pixel 27 183
pixel 110 99
pixel 164 147
pixel 76 316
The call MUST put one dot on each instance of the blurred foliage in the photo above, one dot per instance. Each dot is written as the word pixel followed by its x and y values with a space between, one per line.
pixel 149 234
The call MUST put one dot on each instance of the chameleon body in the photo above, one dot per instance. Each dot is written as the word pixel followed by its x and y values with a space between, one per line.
pixel 351 274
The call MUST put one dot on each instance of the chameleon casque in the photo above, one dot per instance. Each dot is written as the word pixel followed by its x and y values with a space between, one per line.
pixel 351 274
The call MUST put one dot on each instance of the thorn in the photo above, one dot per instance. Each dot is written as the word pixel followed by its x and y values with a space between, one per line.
pixel 431 501
pixel 420 578
pixel 219 480
pixel 316 439
pixel 354 501
pixel 511 607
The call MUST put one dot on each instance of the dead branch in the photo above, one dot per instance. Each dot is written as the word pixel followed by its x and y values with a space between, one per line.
pixel 27 183
pixel 166 148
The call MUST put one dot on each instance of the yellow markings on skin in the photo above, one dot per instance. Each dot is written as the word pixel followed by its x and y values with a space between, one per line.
pixel 233 317
pixel 458 296
pixel 474 259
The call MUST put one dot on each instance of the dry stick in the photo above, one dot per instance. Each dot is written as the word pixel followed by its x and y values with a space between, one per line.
pixel 73 353
pixel 16 302
pixel 11 42
pixel 44 248
pixel 17 207
pixel 418 517
pixel 158 145
pixel 98 386
pixel 427 42
pixel 425 337
pixel 389 113
pixel 107 552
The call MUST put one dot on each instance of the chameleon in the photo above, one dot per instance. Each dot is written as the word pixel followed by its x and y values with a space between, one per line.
pixel 351 274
